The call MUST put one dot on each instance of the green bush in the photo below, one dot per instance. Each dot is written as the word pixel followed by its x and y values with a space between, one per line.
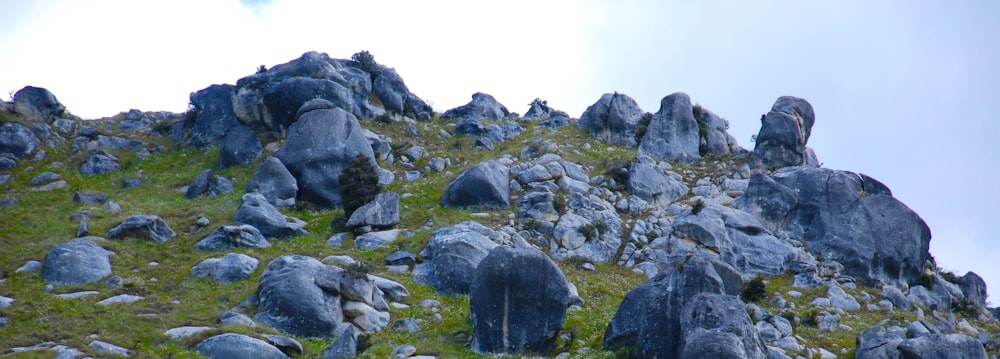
pixel 559 203
pixel 588 230
pixel 366 61
pixel 358 269
pixel 697 207
pixel 754 290
pixel 643 126
pixel 358 184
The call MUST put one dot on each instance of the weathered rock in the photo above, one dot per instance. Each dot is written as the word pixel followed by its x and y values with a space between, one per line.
pixel 76 262
pixel 345 345
pixel 274 181
pixel 649 315
pixel 121 298
pixel 974 288
pixel 234 346
pixel 712 131
pixel 230 268
pixel 518 301
pixel 208 183
pixel 239 146
pixel 877 343
pixel 366 318
pixel 291 301
pixel 372 240
pixel 142 226
pixel 99 162
pixel 45 177
pixel 17 140
pixel 451 257
pixel 396 97
pixel 482 107
pixel 652 185
pixel 37 104
pixel 672 133
pixel 257 212
pixel 320 144
pixel 184 332
pixel 107 348
pixel 227 237
pixel 383 212
pixel 233 318
pixel 942 346
pixel 717 326
pixel 613 118
pixel 215 117
pixel 783 134
pixel 485 185
pixel 89 198
pixel 287 345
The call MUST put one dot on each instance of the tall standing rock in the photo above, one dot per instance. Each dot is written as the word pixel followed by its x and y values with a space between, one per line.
pixel 37 104
pixel 518 301
pixel 485 185
pixel 783 135
pixel 613 118
pixel 320 144
pixel 673 133
pixel 215 115
pixel 290 299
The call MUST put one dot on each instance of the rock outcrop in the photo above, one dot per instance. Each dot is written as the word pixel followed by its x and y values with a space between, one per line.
pixel 673 132
pixel 37 104
pixel 143 226
pixel 613 118
pixel 485 185
pixel 783 135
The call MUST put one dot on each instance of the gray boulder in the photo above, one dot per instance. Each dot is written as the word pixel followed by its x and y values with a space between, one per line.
pixel 257 212
pixel 320 144
pixel 89 198
pixel 274 182
pixel 142 226
pixel 239 146
pixel 345 345
pixel 613 118
pixel 451 257
pixel 649 316
pixel 482 107
pixel 291 301
pixel 518 301
pixel 942 346
pixel 37 104
pixel 215 117
pixel 230 268
pixel 783 135
pixel 17 140
pixel 974 288
pixel 208 183
pixel 237 346
pixel 228 237
pixel 650 183
pixel 396 97
pixel 99 162
pixel 539 110
pixel 717 326
pixel 673 133
pixel 76 262
pixel 878 343
pixel 383 212
pixel 372 240
pixel 485 185
pixel 601 244
pixel 876 237
pixel 714 138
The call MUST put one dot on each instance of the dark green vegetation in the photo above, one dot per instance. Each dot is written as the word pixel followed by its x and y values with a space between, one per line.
pixel 358 184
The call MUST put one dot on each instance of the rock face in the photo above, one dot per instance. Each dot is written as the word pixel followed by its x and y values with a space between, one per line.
pixel 17 140
pixel 227 237
pixel 717 326
pixel 482 107
pixel 239 146
pixel 485 185
pixel 518 301
pixel 649 316
pixel 230 268
pixel 37 104
pixel 673 133
pixel 291 301
pixel 320 144
pixel 783 134
pixel 876 237
pixel 215 115
pixel 613 118
pixel 451 257
pixel 257 212
pixel 274 181
pixel 383 212
pixel 142 226
pixel 232 346
pixel 76 262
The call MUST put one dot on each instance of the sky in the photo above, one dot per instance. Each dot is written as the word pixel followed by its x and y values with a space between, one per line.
pixel 907 92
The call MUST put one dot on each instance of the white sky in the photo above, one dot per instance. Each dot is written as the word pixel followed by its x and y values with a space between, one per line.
pixel 905 91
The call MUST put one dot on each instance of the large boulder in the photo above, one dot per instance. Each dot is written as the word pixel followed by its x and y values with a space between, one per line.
pixel 485 185
pixel 76 262
pixel 783 135
pixel 673 133
pixel 593 231
pixel 230 268
pixel 942 346
pixel 215 117
pixel 209 184
pixel 37 104
pixel 649 317
pixel 518 301
pixel 649 182
pixel 274 182
pixel 239 146
pixel 382 212
pixel 17 140
pixel 974 288
pixel 713 131
pixel 396 97
pixel 482 107
pixel 228 237
pixel 320 144
pixel 613 118
pixel 878 343
pixel 291 301
pixel 875 236
pixel 257 212
pixel 143 226
pixel 237 346
pixel 451 257
pixel 717 326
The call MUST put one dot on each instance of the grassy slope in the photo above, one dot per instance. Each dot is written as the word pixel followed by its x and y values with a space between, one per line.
pixel 174 298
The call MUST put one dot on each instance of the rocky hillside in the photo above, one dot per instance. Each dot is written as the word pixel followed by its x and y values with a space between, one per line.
pixel 319 209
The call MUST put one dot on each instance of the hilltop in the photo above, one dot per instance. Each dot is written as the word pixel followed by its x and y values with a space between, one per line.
pixel 320 209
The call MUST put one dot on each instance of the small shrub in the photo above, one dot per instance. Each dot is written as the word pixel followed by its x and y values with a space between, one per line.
pixel 588 230
pixel 965 307
pixel 950 277
pixel 926 280
pixel 559 203
pixel 754 290
pixel 533 225
pixel 697 207
pixel 261 69
pixel 358 269
pixel 600 224
pixel 810 318
pixel 643 126
pixel 358 184
pixel 366 61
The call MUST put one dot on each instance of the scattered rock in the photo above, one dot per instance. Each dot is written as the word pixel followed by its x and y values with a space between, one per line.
pixel 274 181
pixel 76 262
pixel 345 345
pixel 258 212
pixel 232 345
pixel 485 185
pixel 372 240
pixel 99 162
pixel 451 257
pixel 184 332
pixel 29 266
pixel 17 140
pixel 287 345
pixel 408 325
pixel 233 318
pixel 208 183
pixel 107 348
pixel 44 177
pixel 401 258
pixel 227 237
pixel 90 198
pixel 383 212
pixel 613 118
pixel 230 268
pixel 121 298
pixel 143 226
pixel 291 301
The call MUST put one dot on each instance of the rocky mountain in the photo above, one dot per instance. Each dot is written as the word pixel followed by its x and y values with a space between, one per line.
pixel 231 231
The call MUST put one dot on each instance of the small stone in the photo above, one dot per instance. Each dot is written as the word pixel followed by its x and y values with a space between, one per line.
pixel 404 351
pixel 408 325
pixel 82 230
pixel 78 295
pixel 184 332
pixel 588 266
pixel 287 345
pixel 29 266
pixel 401 258
pixel 5 302
pixel 337 240
pixel 123 298
pixel 112 207
pixel 90 198
pixel 107 348
pixel 233 318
